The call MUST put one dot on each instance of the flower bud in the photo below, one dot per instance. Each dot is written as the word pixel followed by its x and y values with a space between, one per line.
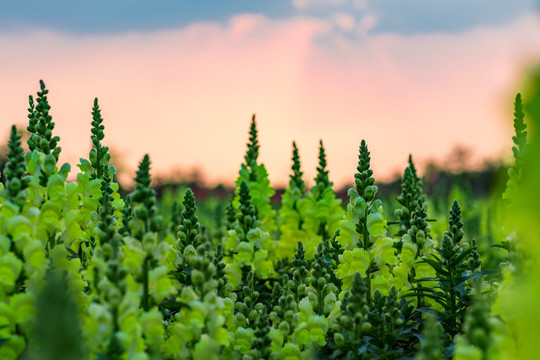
pixel 369 192
pixel 366 326
pixel 197 277
pixel 284 327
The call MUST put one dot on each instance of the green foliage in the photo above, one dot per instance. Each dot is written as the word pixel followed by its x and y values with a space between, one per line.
pixel 56 313
pixel 476 329
pixel 373 327
pixel 432 341
pixel 153 279
pixel 453 266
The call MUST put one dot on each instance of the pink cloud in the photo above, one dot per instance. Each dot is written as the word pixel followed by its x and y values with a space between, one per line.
pixel 186 96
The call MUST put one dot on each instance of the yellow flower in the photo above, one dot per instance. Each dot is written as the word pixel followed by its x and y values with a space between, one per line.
pixel 10 268
pixel 351 262
pixel 242 339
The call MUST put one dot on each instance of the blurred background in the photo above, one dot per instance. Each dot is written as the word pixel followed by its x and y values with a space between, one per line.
pixel 181 80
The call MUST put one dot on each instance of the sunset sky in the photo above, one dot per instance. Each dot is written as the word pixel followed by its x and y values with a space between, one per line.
pixel 180 80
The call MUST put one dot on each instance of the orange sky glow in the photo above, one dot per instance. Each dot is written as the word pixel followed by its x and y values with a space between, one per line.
pixel 186 96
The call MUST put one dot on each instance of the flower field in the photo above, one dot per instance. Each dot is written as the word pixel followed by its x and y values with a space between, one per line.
pixel 86 273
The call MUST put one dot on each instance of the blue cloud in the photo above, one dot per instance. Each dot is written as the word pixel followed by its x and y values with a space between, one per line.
pixel 112 16
pixel 414 16
pixel 109 16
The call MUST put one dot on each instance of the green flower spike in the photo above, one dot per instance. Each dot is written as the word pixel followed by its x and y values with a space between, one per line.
pixel 188 231
pixel 144 201
pixel 387 320
pixel 248 213
pixel 321 210
pixel 323 280
pixel 520 139
pixel 176 217
pixel 41 125
pixel 220 275
pixel 420 231
pixel 15 169
pixel 291 217
pixel 107 223
pixel 322 179
pixel 363 232
pixel 261 348
pixel 248 304
pixel 363 179
pixel 252 154
pixel 285 308
pixel 474 262
pixel 353 322
pixel 231 215
pixel 111 243
pixel 127 217
pixel 515 173
pixel 145 225
pixel 296 180
pixel 256 177
pixel 411 191
pixel 99 154
pixel 299 270
pixel 417 181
